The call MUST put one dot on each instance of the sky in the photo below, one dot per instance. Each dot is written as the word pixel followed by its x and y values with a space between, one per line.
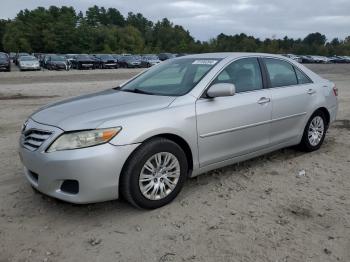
pixel 206 19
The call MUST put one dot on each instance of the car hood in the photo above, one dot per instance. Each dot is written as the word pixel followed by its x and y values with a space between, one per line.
pixel 90 111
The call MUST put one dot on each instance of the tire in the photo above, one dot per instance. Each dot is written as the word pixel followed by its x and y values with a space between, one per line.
pixel 307 143
pixel 130 185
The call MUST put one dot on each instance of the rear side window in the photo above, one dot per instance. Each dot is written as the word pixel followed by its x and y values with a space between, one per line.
pixel 302 78
pixel 245 74
pixel 280 72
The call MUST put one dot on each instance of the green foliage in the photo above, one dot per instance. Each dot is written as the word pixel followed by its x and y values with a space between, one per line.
pixel 100 30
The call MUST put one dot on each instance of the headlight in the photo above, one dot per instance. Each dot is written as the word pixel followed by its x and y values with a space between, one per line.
pixel 83 139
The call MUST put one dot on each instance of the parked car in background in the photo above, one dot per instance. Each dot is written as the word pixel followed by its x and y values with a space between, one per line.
pixel 28 63
pixel 84 61
pixel 346 58
pixel 130 61
pixel 321 59
pixel 18 55
pixel 338 60
pixel 5 62
pixel 179 119
pixel 166 56
pixel 294 57
pixel 306 59
pixel 106 61
pixel 149 60
pixel 56 62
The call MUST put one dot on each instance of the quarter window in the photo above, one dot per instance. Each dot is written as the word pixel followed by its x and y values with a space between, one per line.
pixel 245 74
pixel 281 73
pixel 302 78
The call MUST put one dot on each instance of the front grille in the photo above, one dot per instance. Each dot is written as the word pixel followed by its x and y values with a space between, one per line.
pixel 34 138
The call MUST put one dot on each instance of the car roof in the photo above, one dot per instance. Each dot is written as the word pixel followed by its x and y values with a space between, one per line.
pixel 229 55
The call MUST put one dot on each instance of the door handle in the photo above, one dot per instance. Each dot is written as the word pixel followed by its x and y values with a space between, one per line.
pixel 311 91
pixel 263 100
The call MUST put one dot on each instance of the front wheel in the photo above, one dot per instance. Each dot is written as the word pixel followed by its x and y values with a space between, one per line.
pixel 154 174
pixel 314 132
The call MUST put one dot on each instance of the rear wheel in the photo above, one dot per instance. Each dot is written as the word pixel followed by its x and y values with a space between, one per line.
pixel 154 174
pixel 314 132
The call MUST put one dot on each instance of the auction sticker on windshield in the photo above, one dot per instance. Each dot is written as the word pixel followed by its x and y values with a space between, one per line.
pixel 205 62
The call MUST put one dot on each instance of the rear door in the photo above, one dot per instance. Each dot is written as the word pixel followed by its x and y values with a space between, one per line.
pixel 234 125
pixel 292 95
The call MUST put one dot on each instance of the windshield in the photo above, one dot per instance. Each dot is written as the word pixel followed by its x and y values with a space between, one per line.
pixel 106 57
pixel 28 58
pixel 57 58
pixel 2 55
pixel 151 57
pixel 132 58
pixel 172 78
pixel 83 57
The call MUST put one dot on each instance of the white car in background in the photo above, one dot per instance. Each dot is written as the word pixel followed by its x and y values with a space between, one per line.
pixel 28 63
pixel 294 57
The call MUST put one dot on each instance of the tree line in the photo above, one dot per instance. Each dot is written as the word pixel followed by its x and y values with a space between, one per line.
pixel 100 30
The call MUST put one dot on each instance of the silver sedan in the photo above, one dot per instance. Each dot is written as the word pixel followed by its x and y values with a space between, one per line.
pixel 28 63
pixel 176 120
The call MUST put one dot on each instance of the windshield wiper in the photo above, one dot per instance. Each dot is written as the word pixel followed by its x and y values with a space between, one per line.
pixel 136 90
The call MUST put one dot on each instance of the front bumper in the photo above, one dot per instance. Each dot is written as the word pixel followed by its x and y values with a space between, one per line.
pixel 4 66
pixel 30 67
pixel 59 67
pixel 96 170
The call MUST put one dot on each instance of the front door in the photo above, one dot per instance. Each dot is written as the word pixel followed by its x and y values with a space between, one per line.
pixel 234 125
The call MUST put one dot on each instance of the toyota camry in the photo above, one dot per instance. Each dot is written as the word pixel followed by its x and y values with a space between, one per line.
pixel 178 119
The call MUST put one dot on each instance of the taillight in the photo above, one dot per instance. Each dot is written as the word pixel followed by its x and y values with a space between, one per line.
pixel 335 90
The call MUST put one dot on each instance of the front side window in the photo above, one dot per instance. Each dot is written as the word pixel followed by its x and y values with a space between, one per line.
pixel 173 78
pixel 281 73
pixel 245 74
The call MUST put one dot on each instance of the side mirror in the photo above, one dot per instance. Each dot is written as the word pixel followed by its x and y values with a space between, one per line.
pixel 221 89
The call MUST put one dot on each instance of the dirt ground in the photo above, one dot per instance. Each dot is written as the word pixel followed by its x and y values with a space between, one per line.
pixel 258 210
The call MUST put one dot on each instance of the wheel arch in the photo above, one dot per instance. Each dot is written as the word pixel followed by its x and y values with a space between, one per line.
pixel 175 138
pixel 325 112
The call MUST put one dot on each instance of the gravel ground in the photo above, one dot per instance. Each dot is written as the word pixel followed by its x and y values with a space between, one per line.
pixel 258 210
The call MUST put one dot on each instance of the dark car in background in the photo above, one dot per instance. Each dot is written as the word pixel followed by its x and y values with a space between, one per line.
pixel 149 60
pixel 130 61
pixel 56 62
pixel 306 59
pixel 5 62
pixel 166 56
pixel 106 61
pixel 84 61
pixel 338 60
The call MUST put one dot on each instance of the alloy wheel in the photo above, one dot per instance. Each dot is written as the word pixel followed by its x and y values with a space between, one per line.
pixel 316 130
pixel 159 176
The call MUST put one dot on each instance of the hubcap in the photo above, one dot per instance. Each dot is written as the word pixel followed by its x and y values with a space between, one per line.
pixel 159 176
pixel 316 130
